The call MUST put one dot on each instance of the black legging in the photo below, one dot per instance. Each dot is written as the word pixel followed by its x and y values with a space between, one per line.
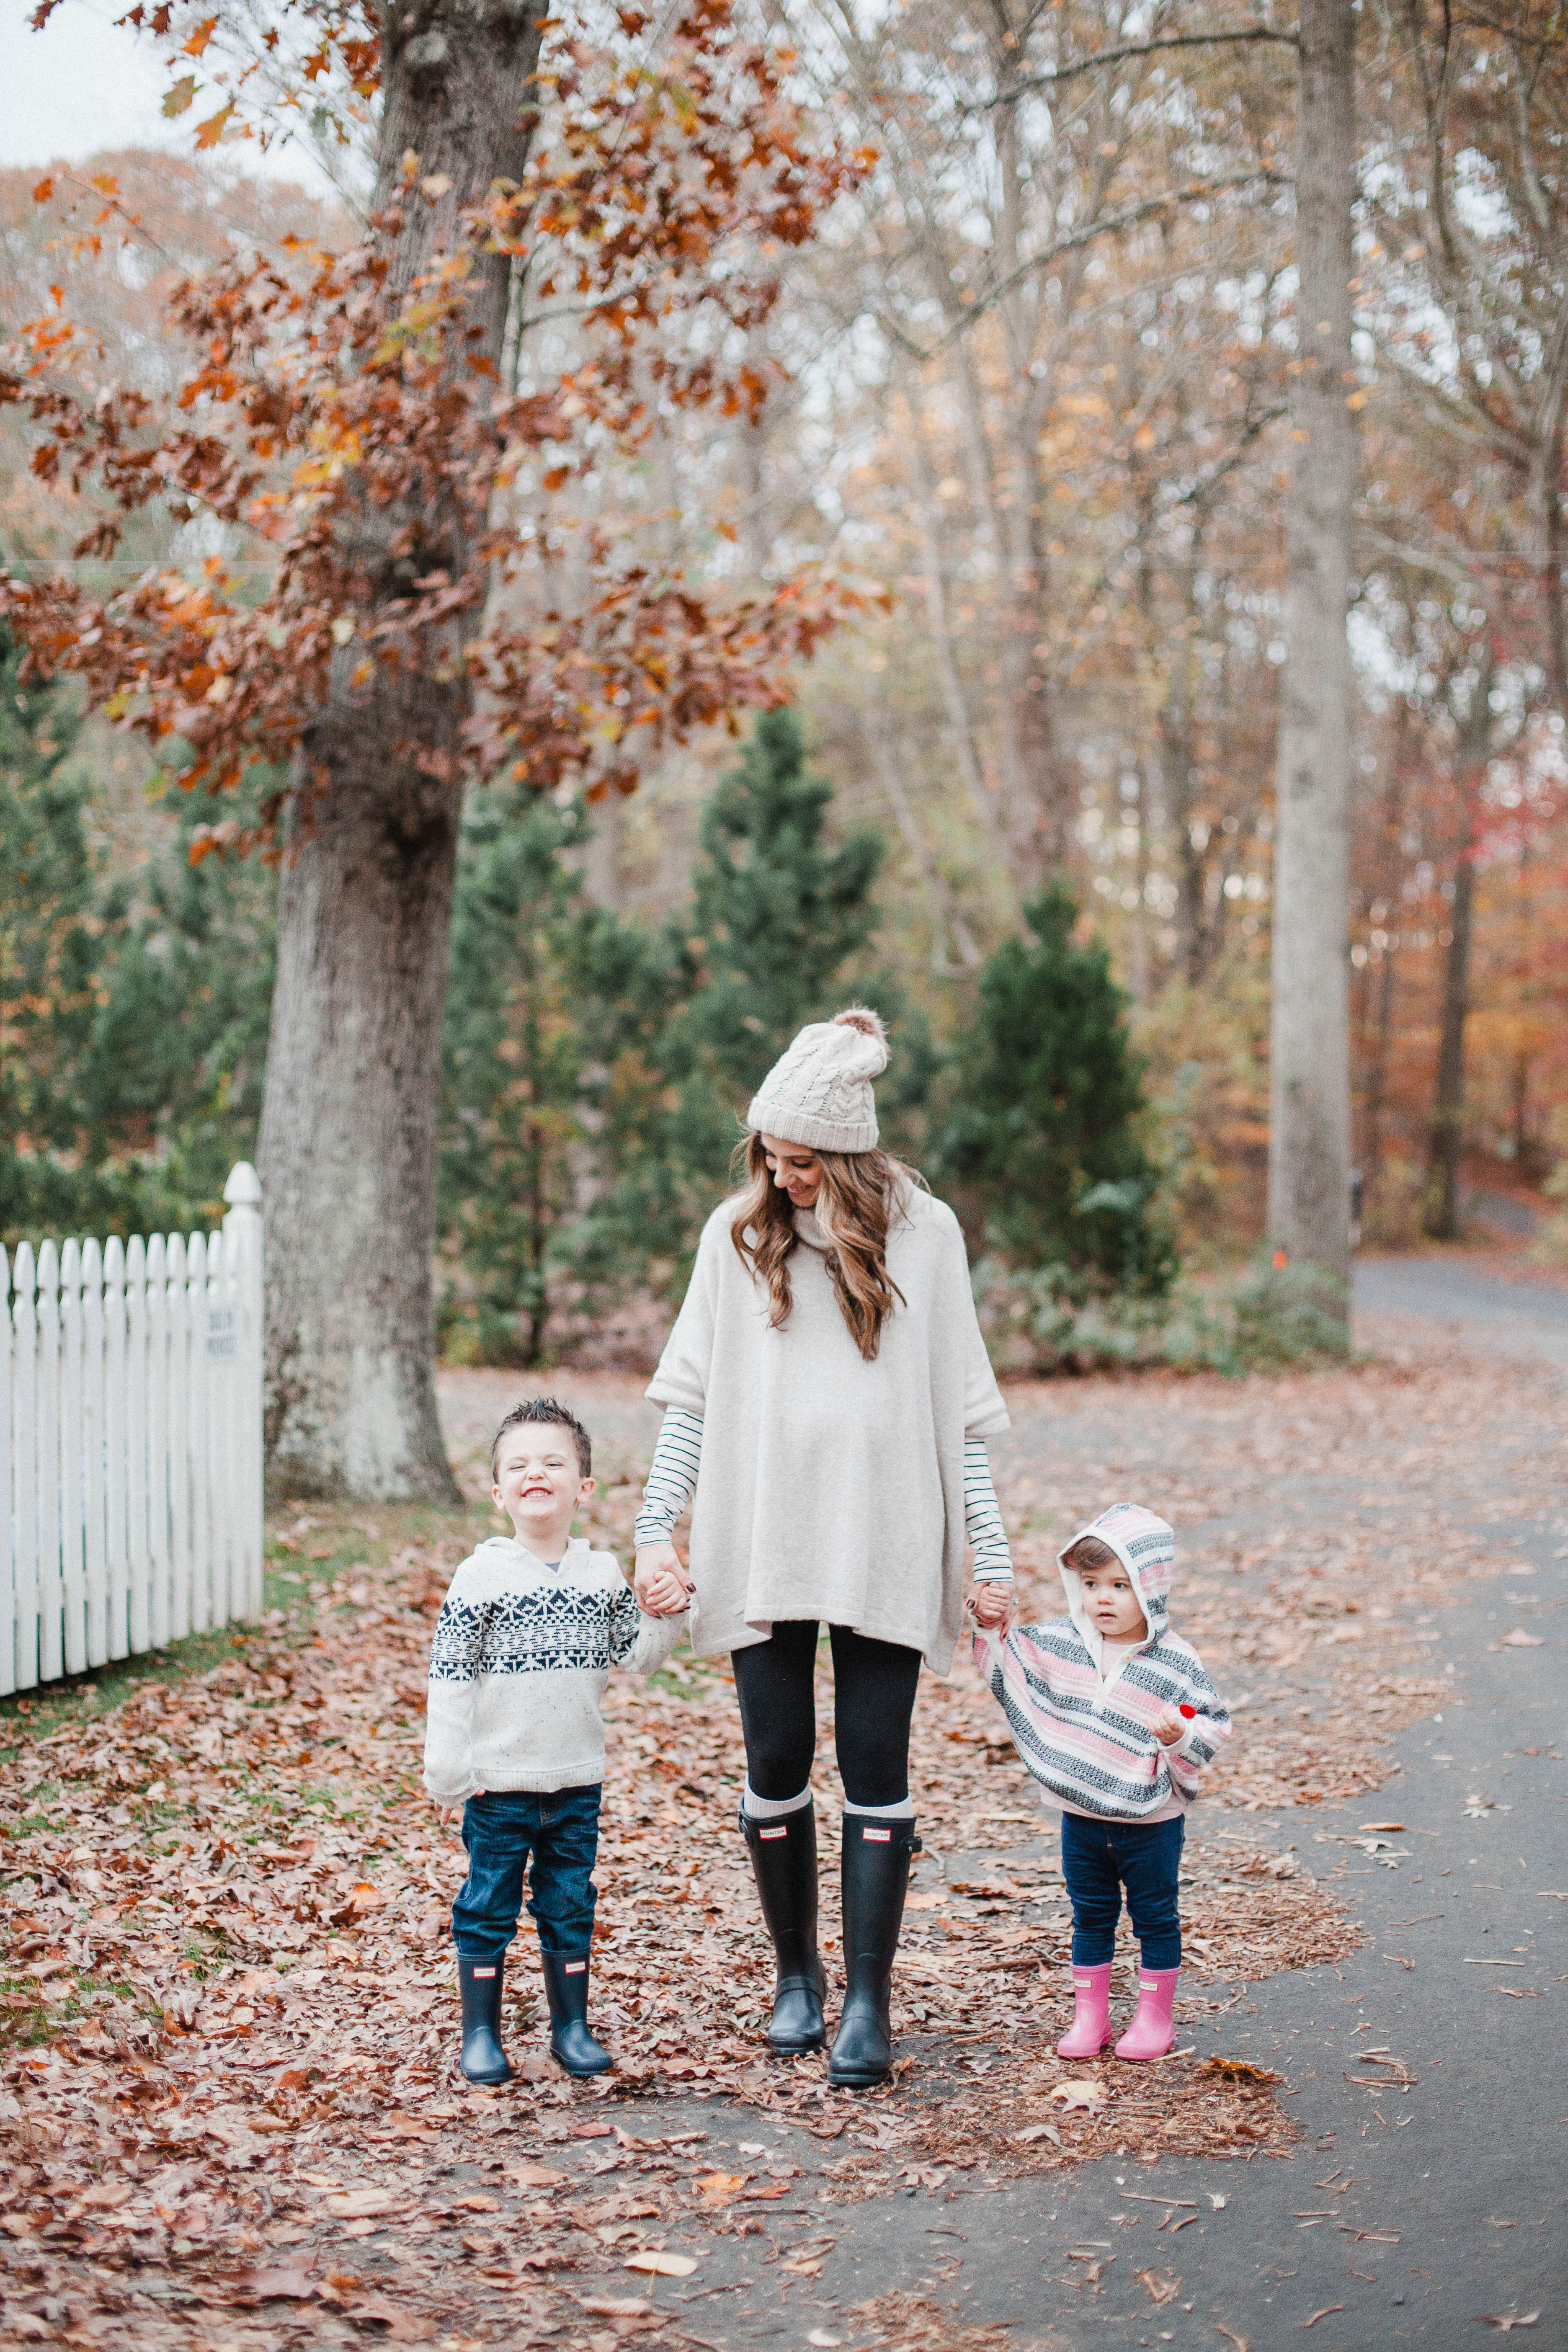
pixel 873 1699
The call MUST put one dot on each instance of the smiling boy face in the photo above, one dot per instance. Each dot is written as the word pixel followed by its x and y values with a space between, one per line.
pixel 539 1484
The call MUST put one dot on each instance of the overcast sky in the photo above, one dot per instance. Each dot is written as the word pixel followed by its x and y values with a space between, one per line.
pixel 76 87
pixel 82 85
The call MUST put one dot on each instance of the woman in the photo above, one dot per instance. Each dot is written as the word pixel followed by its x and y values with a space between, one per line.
pixel 827 1397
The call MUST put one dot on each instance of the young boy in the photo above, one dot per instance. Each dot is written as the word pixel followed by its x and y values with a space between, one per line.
pixel 1115 1717
pixel 528 1632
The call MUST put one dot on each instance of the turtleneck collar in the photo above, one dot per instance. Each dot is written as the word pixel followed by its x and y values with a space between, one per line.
pixel 809 1230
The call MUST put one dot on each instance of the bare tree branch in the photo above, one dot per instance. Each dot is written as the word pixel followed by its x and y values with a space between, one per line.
pixel 1105 225
pixel 1078 66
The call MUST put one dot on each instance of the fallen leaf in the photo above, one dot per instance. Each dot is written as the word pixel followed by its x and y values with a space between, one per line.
pixel 1519 1639
pixel 820 2337
pixel 285 2285
pixel 534 2176
pixel 1219 2205
pixel 1237 2070
pixel 110 2194
pixel 723 2187
pixel 1039 2131
pixel 663 2265
pixel 371 2310
pixel 1506 2319
pixel 615 2306
pixel 1386 1826
pixel 357 2201
pixel 1076 2092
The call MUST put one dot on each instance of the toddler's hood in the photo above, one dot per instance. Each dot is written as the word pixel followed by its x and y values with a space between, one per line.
pixel 1146 1547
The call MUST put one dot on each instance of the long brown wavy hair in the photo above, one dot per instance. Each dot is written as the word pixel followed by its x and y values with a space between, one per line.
pixel 860 1190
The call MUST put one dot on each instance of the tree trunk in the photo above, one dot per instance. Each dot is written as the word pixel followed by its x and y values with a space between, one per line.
pixel 1555 551
pixel 348 1142
pixel 1441 1207
pixel 1377 1079
pixel 348 1126
pixel 1440 1215
pixel 1388 869
pixel 1308 1149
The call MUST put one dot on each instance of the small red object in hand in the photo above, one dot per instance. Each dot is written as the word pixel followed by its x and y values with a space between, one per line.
pixel 1188 1711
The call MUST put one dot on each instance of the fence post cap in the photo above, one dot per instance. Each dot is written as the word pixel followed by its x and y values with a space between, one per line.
pixel 243 1190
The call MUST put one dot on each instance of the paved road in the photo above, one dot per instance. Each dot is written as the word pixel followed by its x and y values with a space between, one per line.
pixel 1465 1294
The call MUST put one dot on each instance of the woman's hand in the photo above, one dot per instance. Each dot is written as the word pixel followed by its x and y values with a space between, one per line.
pixel 993 1603
pixel 662 1586
pixel 1168 1726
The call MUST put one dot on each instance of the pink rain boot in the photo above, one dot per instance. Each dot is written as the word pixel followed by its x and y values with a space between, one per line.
pixel 1152 2034
pixel 1089 2032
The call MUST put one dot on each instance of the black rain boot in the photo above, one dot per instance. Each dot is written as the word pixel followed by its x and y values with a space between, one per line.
pixel 784 1859
pixel 479 1984
pixel 874 1876
pixel 566 1989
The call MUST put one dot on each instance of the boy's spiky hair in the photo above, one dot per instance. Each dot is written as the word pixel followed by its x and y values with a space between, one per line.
pixel 1089 1553
pixel 551 1412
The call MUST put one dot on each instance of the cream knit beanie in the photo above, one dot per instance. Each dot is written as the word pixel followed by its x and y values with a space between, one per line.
pixel 819 1091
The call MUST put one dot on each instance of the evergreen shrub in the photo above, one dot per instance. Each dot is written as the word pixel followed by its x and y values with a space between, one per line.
pixel 1266 1318
pixel 1043 1147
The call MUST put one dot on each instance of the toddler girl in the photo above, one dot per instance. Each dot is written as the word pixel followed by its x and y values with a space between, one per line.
pixel 1115 1716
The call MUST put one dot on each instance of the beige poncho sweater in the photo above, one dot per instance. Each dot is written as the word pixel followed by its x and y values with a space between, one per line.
pixel 831 1488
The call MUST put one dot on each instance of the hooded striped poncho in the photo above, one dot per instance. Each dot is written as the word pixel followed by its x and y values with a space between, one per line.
pixel 1087 1741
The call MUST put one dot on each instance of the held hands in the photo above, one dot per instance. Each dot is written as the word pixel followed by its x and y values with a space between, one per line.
pixel 1168 1726
pixel 992 1605
pixel 662 1586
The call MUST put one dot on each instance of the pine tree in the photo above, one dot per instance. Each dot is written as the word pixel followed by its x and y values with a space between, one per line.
pixel 777 916
pixel 49 955
pixel 551 1084
pixel 1045 1138
pixel 174 1074
pixel 133 1006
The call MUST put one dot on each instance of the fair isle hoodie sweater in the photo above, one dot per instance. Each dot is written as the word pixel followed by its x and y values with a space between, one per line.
pixel 518 1668
pixel 1080 1710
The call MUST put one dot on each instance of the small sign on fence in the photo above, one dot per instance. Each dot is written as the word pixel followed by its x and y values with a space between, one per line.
pixel 131 1495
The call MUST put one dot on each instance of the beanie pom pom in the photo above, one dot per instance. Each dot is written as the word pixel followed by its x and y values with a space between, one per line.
pixel 861 1017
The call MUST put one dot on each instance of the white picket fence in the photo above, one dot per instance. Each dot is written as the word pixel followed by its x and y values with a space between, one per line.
pixel 130 1442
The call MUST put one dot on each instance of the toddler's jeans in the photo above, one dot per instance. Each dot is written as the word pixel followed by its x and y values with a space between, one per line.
pixel 1100 1858
pixel 502 1830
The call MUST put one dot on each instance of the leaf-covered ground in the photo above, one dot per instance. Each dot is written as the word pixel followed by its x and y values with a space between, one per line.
pixel 229 2110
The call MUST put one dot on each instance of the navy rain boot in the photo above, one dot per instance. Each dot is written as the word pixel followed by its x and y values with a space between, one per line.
pixel 566 1989
pixel 479 1984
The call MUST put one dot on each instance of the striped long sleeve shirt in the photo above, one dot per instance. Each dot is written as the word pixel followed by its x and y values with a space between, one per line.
pixel 678 1458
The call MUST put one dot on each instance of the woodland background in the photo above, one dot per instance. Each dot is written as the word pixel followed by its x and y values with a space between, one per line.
pixel 1028 390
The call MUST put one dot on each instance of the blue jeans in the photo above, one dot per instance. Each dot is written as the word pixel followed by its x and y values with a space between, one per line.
pixel 501 1830
pixel 1099 1859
